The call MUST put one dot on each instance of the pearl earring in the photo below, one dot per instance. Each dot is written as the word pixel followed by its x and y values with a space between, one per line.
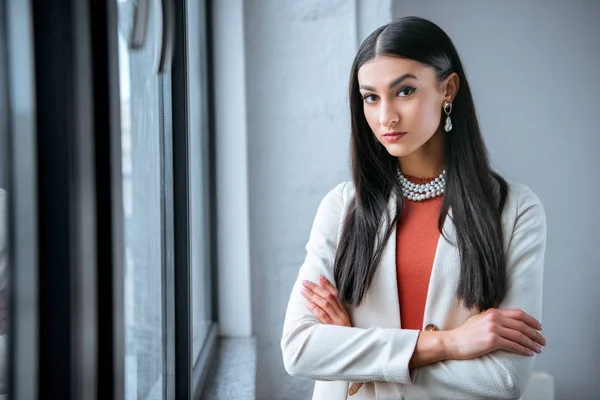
pixel 448 110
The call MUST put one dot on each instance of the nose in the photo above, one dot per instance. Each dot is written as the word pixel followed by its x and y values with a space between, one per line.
pixel 388 116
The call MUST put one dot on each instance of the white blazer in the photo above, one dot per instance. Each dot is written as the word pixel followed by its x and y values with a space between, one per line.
pixel 375 350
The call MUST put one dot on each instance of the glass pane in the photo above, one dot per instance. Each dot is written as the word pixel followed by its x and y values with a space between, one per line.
pixel 141 170
pixel 200 262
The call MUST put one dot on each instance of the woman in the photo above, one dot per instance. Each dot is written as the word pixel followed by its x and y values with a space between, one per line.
pixel 423 276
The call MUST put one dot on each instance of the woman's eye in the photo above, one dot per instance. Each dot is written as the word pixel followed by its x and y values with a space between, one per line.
pixel 369 98
pixel 406 91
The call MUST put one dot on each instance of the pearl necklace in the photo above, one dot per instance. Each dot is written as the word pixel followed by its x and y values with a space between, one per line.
pixel 422 191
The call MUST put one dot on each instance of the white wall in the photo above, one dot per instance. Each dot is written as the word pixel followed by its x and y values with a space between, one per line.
pixel 534 70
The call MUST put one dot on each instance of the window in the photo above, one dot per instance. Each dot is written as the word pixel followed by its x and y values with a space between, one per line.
pixel 199 177
pixel 104 164
pixel 165 185
pixel 143 203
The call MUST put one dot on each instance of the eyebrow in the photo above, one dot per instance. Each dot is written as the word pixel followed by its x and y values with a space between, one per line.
pixel 392 84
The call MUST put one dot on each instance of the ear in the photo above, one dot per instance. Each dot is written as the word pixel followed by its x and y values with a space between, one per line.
pixel 450 86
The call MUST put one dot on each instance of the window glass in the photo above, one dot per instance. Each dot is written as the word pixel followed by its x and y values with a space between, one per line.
pixel 142 201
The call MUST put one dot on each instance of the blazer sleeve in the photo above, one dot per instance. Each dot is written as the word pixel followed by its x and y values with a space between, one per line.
pixel 328 352
pixel 501 374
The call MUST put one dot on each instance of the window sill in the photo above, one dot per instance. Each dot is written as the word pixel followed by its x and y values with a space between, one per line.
pixel 233 373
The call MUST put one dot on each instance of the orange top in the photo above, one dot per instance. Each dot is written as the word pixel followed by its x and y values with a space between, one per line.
pixel 417 236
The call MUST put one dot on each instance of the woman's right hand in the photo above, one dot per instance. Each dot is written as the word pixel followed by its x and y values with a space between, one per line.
pixel 495 329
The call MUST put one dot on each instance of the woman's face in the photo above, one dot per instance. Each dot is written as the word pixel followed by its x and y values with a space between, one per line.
pixel 402 102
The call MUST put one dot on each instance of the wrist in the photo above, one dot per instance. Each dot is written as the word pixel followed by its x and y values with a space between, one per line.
pixel 448 344
pixel 431 347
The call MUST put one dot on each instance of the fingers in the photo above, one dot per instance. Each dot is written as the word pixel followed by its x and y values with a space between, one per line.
pixel 516 331
pixel 525 329
pixel 521 316
pixel 519 338
pixel 324 298
pixel 321 315
pixel 513 347
pixel 318 297
pixel 324 303
pixel 325 283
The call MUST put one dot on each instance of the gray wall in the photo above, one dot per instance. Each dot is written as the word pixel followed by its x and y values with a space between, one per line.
pixel 298 57
pixel 534 70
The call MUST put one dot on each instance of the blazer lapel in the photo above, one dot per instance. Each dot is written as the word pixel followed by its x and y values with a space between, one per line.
pixel 380 306
pixel 442 307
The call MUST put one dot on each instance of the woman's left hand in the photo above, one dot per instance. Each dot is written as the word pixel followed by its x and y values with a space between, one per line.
pixel 323 302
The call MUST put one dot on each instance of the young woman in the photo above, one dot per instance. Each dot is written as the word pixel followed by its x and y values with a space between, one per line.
pixel 423 276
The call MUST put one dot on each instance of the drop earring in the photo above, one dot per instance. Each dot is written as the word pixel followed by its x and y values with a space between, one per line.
pixel 448 110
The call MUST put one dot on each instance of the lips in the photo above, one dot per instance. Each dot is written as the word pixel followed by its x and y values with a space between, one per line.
pixel 394 136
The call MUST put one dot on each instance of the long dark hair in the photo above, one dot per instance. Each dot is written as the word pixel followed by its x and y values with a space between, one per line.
pixel 475 193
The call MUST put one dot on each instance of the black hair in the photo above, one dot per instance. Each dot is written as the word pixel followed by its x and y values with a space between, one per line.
pixel 475 193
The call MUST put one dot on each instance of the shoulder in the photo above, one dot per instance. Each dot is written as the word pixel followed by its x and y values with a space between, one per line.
pixel 340 196
pixel 522 197
pixel 333 208
pixel 524 209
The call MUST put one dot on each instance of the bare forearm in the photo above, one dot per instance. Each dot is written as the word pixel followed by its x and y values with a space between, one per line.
pixel 431 347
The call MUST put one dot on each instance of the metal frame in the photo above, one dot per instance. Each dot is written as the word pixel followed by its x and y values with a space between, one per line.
pixel 212 145
pixel 109 200
pixel 170 266
pixel 79 200
pixel 190 375
pixel 179 161
pixel 61 37
pixel 202 366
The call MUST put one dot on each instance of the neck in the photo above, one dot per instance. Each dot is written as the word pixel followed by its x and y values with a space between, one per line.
pixel 427 161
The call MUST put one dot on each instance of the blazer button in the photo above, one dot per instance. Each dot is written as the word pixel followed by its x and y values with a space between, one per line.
pixel 354 388
pixel 431 327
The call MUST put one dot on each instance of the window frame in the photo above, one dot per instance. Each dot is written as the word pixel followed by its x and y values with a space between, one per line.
pixel 202 364
pixel 191 375
pixel 66 213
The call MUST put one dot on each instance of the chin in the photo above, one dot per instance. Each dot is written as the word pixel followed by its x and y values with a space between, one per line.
pixel 399 149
